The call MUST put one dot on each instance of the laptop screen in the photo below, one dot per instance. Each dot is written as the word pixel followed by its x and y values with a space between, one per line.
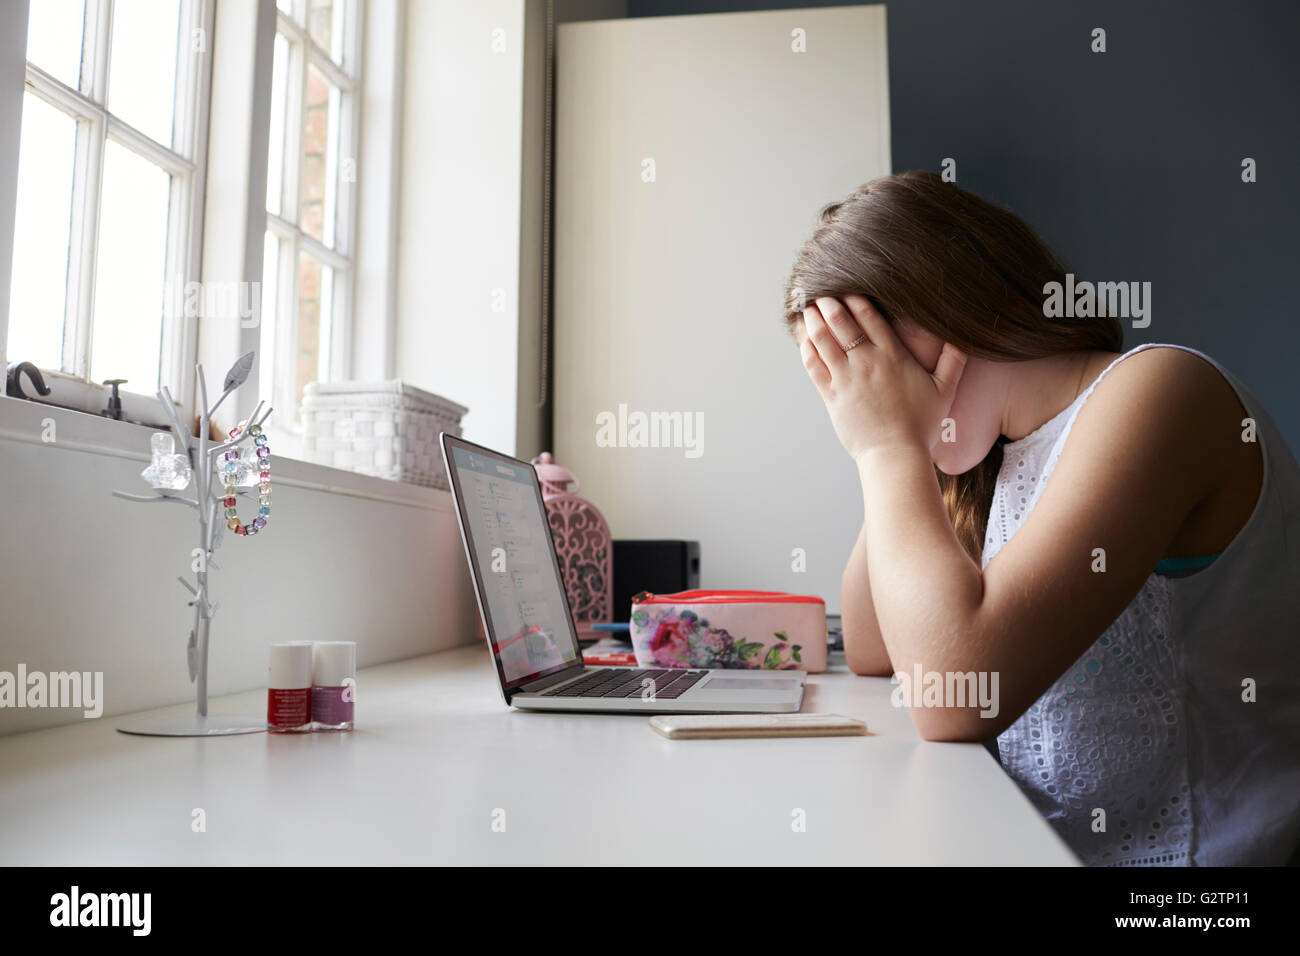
pixel 506 533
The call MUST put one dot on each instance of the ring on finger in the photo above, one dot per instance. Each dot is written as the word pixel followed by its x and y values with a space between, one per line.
pixel 854 344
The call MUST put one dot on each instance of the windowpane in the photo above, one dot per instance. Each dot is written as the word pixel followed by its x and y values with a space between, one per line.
pixel 129 273
pixel 303 178
pixel 325 326
pixel 54 32
pixel 279 103
pixel 46 149
pixel 325 25
pixel 266 351
pixel 315 292
pixel 142 65
pixel 320 158
pixel 320 22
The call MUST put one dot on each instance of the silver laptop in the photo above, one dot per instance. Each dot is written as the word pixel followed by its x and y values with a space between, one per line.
pixel 527 620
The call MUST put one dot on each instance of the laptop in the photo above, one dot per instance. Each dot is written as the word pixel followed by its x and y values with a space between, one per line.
pixel 528 623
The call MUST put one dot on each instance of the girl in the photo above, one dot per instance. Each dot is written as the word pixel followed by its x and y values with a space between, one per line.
pixel 1115 536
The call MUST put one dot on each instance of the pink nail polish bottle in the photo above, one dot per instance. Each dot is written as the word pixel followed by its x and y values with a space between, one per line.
pixel 333 684
pixel 288 690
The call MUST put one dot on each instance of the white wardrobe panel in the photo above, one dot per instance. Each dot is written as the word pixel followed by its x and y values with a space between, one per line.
pixel 692 156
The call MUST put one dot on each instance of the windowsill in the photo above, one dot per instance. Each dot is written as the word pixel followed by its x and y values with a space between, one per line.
pixel 25 421
pixel 91 397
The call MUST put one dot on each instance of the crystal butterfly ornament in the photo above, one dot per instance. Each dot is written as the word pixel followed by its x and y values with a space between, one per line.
pixel 167 470
pixel 234 471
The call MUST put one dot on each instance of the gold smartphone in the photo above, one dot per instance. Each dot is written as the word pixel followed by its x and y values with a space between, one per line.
pixel 700 726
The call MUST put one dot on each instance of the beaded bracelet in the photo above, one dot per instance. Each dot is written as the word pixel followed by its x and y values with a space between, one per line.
pixel 263 463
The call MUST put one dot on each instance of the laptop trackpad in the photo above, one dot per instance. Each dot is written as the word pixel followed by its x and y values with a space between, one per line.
pixel 760 683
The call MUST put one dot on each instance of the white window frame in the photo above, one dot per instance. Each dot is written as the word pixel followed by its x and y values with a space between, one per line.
pixel 336 328
pixel 96 126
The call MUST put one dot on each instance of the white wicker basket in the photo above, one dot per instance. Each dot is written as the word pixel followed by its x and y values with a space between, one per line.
pixel 386 429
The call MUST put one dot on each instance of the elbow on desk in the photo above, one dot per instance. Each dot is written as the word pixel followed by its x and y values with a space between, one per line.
pixel 865 653
pixel 955 725
pixel 867 664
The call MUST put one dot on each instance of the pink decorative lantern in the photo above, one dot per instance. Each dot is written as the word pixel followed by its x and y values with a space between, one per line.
pixel 583 545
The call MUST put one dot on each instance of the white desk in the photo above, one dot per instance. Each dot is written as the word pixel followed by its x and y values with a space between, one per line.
pixel 436 752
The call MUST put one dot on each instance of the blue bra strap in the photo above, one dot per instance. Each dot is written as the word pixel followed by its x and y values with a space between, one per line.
pixel 1182 567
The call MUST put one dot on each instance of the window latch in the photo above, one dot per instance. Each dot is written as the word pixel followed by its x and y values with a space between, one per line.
pixel 114 409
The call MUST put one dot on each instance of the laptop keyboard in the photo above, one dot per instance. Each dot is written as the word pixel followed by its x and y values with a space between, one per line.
pixel 626 682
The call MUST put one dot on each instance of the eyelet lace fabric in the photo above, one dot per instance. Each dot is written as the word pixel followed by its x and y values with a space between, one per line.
pixel 1103 753
pixel 1174 738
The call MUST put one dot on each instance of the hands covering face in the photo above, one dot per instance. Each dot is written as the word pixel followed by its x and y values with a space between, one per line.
pixel 877 394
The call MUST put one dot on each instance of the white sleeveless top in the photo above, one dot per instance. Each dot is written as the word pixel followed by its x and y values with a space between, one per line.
pixel 1150 724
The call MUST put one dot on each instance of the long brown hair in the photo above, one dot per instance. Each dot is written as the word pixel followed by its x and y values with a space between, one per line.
pixel 961 268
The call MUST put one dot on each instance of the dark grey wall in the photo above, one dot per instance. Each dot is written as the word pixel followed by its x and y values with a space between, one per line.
pixel 1129 162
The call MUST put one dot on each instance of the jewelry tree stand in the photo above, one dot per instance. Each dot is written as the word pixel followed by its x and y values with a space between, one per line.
pixel 201 455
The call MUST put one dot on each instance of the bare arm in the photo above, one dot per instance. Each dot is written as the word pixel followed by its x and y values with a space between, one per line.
pixel 864 649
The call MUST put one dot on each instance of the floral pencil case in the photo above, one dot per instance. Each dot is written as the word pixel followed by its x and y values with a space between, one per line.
pixel 755 630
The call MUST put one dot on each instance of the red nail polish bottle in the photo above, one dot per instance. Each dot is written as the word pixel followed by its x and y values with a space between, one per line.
pixel 288 694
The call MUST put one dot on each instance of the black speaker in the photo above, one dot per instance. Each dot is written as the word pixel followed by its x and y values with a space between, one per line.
pixel 660 567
